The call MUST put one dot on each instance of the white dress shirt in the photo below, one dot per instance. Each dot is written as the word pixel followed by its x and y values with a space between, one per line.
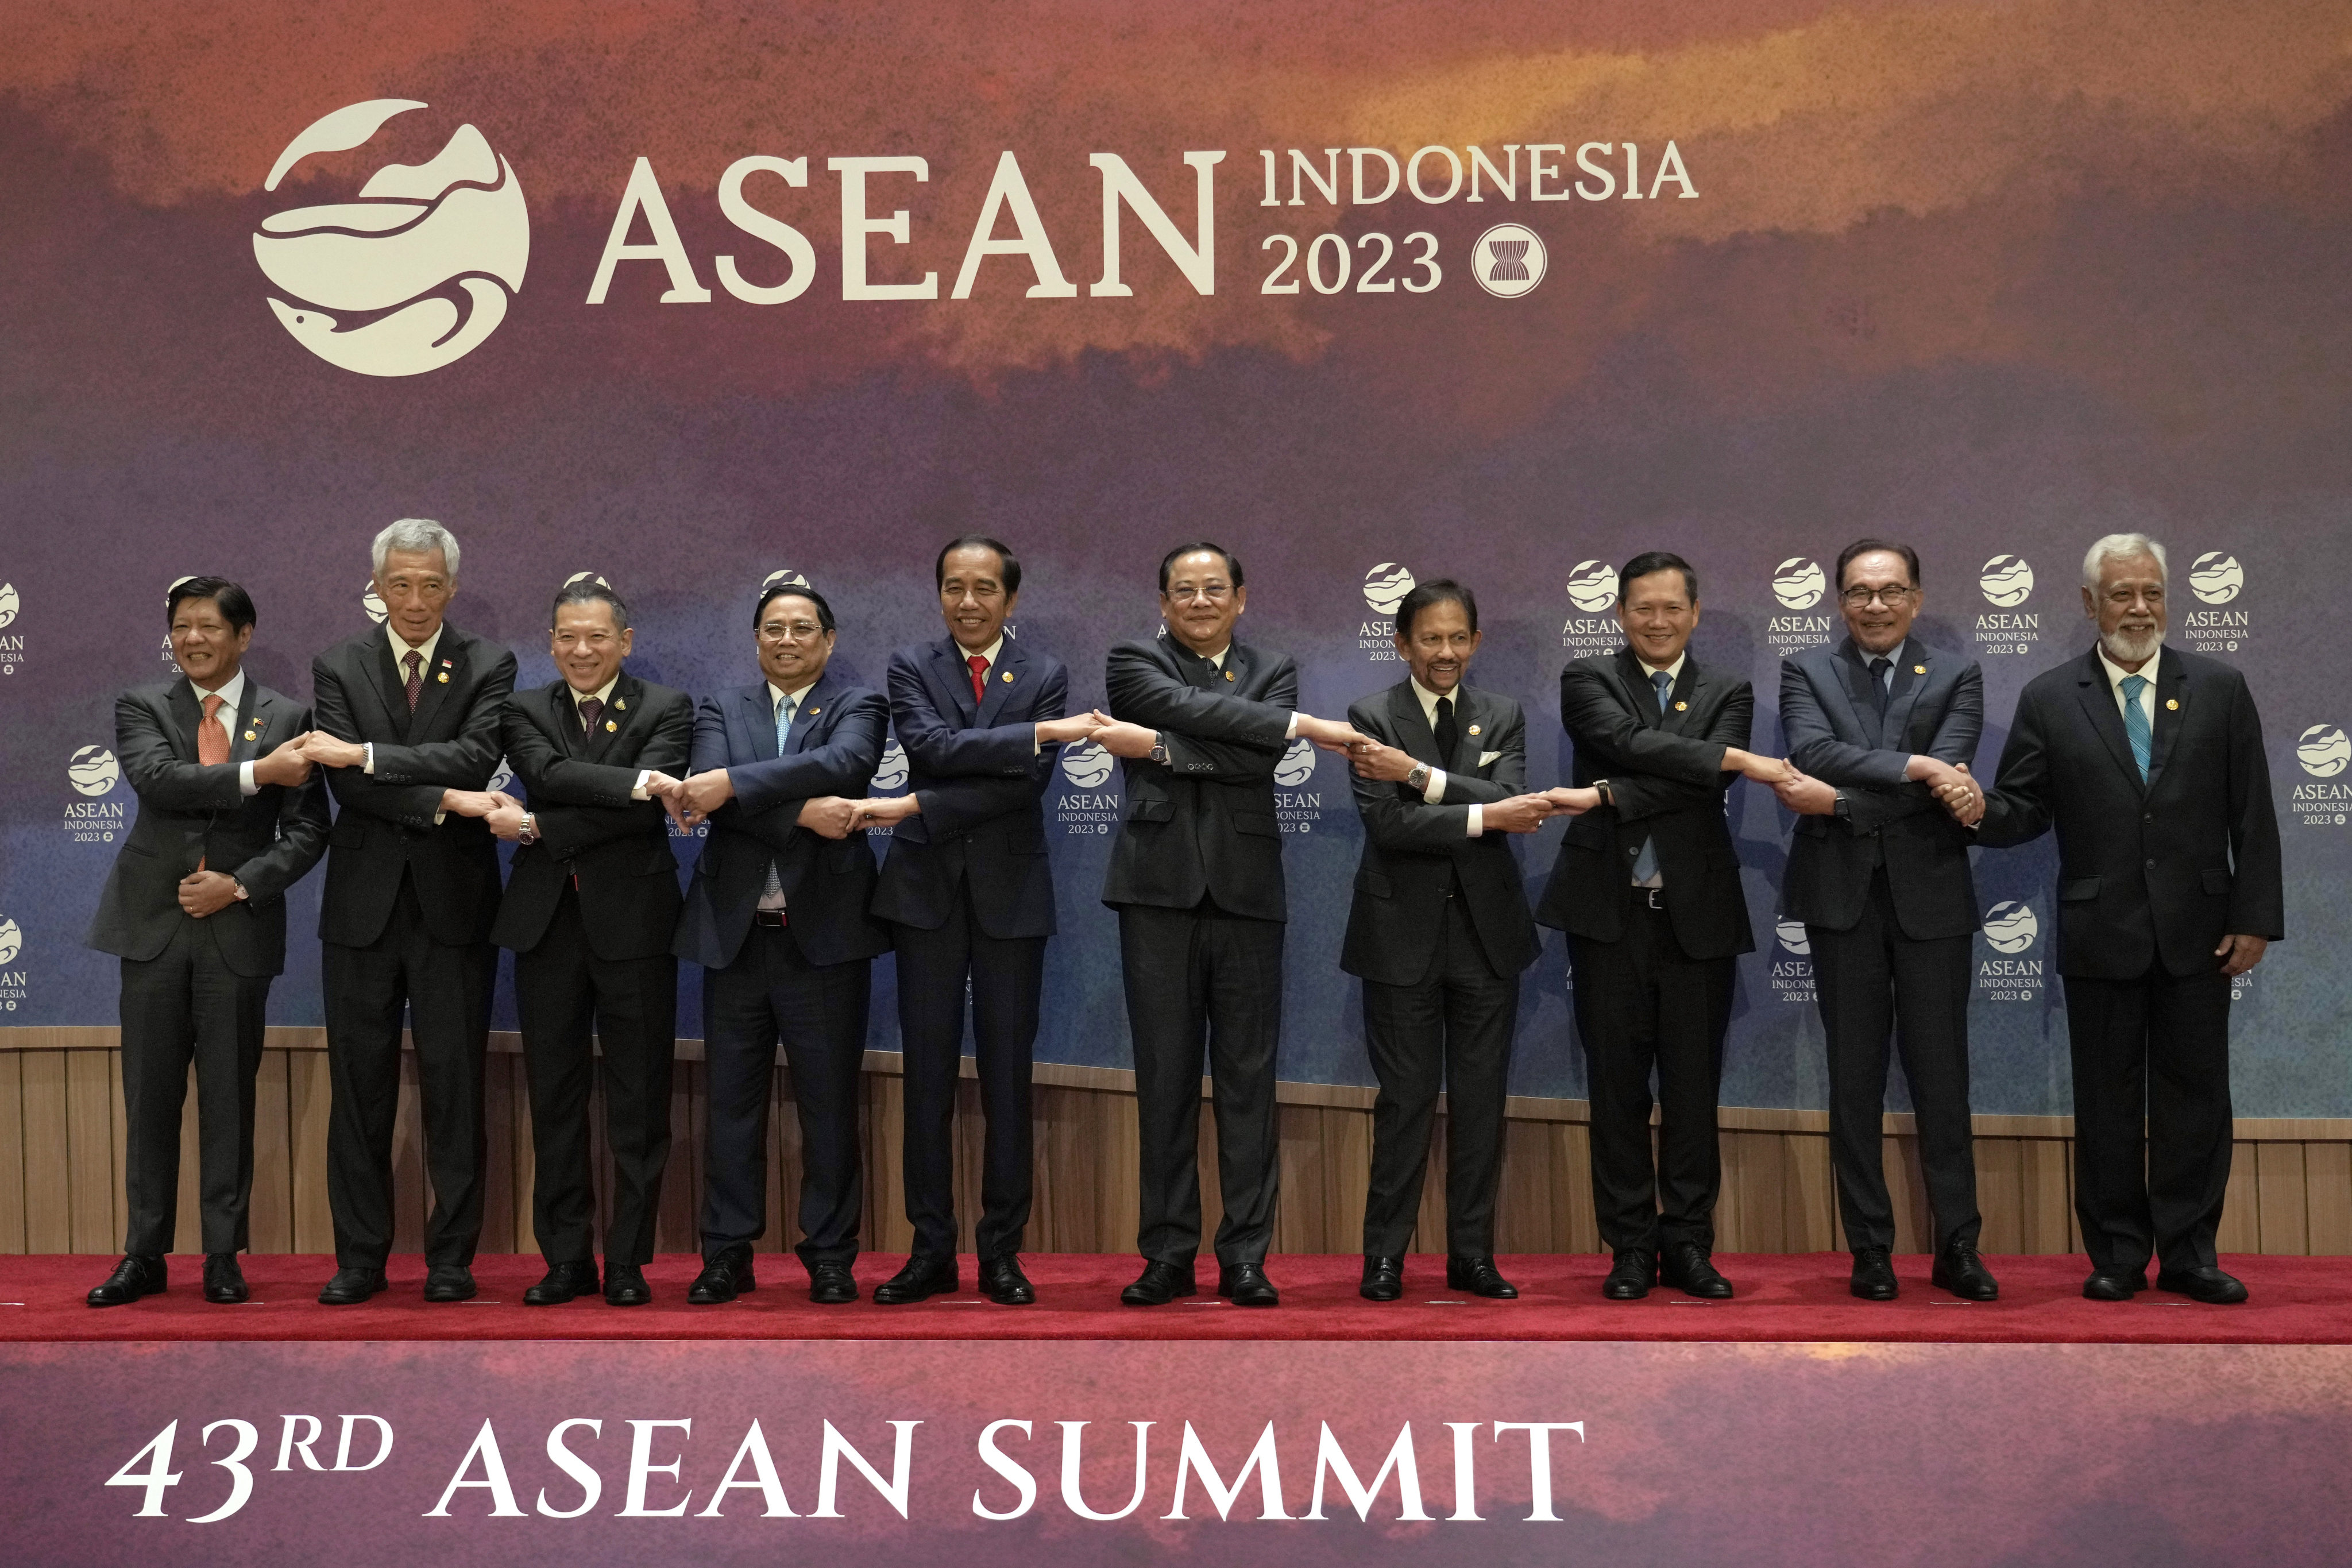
pixel 1434 791
pixel 231 692
pixel 773 896
pixel 2117 675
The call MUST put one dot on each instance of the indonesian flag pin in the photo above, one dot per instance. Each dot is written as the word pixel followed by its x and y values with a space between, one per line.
pixel 610 726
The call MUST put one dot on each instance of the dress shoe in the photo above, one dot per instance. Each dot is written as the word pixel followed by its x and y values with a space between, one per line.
pixel 1383 1278
pixel 724 1276
pixel 223 1280
pixel 624 1285
pixel 449 1282
pixel 1873 1275
pixel 921 1279
pixel 2115 1286
pixel 832 1284
pixel 1002 1282
pixel 1480 1278
pixel 1158 1284
pixel 139 1274
pixel 1686 1266
pixel 1246 1285
pixel 2207 1284
pixel 350 1287
pixel 1631 1275
pixel 1960 1270
pixel 563 1281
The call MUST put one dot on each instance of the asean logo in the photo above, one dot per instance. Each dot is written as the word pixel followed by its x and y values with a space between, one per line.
pixel 2006 580
pixel 12 941
pixel 2324 750
pixel 1798 584
pixel 373 603
pixel 2010 926
pixel 92 771
pixel 1298 764
pixel 893 771
pixel 501 777
pixel 1086 765
pixel 7 603
pixel 1507 260
pixel 1385 586
pixel 2216 577
pixel 416 272
pixel 783 577
pixel 1792 937
pixel 1592 586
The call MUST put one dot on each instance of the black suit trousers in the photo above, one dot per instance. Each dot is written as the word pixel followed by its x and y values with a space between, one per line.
pixel 186 1004
pixel 819 1011
pixel 1874 981
pixel 1643 1005
pixel 2151 1060
pixel 563 992
pixel 1452 1025
pixel 445 994
pixel 1201 977
pixel 1006 975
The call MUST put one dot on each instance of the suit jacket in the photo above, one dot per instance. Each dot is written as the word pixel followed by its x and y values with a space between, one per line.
pixel 1202 826
pixel 1665 771
pixel 2147 870
pixel 980 776
pixel 614 849
pixel 1836 733
pixel 834 746
pixel 190 814
pixel 384 825
pixel 1416 853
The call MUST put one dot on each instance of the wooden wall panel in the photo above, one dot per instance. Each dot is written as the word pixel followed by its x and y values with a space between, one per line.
pixel 307 1095
pixel 93 1167
pixel 12 1152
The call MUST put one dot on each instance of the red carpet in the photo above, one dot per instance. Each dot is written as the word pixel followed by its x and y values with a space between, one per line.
pixel 2296 1301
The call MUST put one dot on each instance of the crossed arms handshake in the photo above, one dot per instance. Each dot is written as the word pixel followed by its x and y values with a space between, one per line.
pixel 1955 789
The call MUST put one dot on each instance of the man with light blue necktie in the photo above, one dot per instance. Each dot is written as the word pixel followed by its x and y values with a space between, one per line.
pixel 2149 763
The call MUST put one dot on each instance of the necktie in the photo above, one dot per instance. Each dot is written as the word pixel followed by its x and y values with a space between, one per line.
pixel 212 740
pixel 979 678
pixel 415 662
pixel 1449 733
pixel 772 897
pixel 590 710
pixel 1645 864
pixel 1663 683
pixel 1878 668
pixel 2135 723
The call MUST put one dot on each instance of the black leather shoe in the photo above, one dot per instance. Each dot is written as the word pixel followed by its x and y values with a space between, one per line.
pixel 449 1282
pixel 1630 1277
pixel 1383 1278
pixel 624 1285
pixel 2207 1284
pixel 139 1274
pixel 921 1279
pixel 223 1280
pixel 1960 1270
pixel 723 1277
pixel 2115 1286
pixel 1246 1285
pixel 563 1281
pixel 350 1287
pixel 1686 1266
pixel 1158 1284
pixel 1480 1278
pixel 1004 1283
pixel 832 1284
pixel 1873 1275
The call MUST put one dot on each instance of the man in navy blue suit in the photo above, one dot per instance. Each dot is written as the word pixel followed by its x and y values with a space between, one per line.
pixel 969 894
pixel 777 918
pixel 1879 874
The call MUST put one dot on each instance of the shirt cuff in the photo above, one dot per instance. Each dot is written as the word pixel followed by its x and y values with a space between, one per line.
pixel 1477 819
pixel 1292 732
pixel 245 784
pixel 1434 790
pixel 367 765
pixel 638 790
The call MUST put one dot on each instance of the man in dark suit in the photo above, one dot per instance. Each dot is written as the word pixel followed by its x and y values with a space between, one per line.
pixel 2149 763
pixel 777 916
pixel 1879 875
pixel 1439 932
pixel 195 907
pixel 1196 877
pixel 591 908
pixel 408 727
pixel 969 894
pixel 1647 888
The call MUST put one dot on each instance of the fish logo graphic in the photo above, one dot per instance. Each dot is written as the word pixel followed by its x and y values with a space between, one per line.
pixel 2006 580
pixel 1798 584
pixel 1792 937
pixel 1592 586
pixel 1086 765
pixel 2324 750
pixel 2216 577
pixel 892 773
pixel 2010 926
pixel 1385 586
pixel 92 771
pixel 1298 764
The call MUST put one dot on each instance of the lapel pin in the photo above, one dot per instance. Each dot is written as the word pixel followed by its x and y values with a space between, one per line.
pixel 610 726
pixel 443 678
pixel 448 663
pixel 813 712
pixel 621 703
pixel 1679 707
pixel 1919 669
pixel 1008 678
pixel 252 735
pixel 2172 702
pixel 1229 675
pixel 1474 730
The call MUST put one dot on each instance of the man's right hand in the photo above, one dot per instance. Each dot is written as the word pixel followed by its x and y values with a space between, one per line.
pixel 699 795
pixel 327 752
pixel 1763 770
pixel 1520 814
pixel 287 764
pixel 1332 734
pixel 829 816
pixel 1077 727
pixel 475 802
pixel 1121 739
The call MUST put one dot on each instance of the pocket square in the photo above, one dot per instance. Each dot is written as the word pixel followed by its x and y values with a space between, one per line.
pixel 1489 759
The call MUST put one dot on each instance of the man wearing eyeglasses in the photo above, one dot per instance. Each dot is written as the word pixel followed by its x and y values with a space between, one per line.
pixel 1879 875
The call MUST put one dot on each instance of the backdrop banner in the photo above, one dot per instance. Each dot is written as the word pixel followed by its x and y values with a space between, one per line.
pixel 689 296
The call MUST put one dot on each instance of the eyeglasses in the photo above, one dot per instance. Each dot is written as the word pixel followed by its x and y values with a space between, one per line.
pixel 1860 598
pixel 1214 593
pixel 796 631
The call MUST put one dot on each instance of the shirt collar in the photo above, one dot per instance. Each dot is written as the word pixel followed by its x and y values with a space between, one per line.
pixel 231 692
pixel 1428 699
pixel 2117 674
pixel 1892 656
pixel 602 694
pixel 988 653
pixel 777 695
pixel 401 648
pixel 1673 671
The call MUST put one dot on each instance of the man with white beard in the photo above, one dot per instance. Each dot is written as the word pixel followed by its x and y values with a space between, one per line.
pixel 2149 762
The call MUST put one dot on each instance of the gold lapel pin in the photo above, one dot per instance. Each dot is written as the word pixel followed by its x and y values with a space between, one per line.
pixel 1679 707
pixel 1919 669
pixel 2172 702
pixel 610 726
pixel 813 712
pixel 1008 678
pixel 1474 730
pixel 443 678
pixel 1229 675
pixel 253 735
pixel 621 703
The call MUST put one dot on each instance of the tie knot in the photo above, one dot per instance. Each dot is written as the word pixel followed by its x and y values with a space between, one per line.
pixel 1661 679
pixel 978 662
pixel 413 659
pixel 212 705
pixel 2134 685
pixel 1880 665
pixel 1445 707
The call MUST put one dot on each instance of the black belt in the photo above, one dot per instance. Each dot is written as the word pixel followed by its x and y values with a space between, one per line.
pixel 774 919
pixel 1649 898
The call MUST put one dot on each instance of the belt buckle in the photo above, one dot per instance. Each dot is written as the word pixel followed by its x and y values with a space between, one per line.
pixel 774 919
pixel 1654 897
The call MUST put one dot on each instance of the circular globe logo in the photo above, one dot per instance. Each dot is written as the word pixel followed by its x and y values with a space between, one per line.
pixel 413 274
pixel 2010 926
pixel 595 577
pixel 7 603
pixel 2324 750
pixel 1385 586
pixel 2216 577
pixel 1592 586
pixel 783 577
pixel 1798 584
pixel 892 773
pixel 1086 765
pixel 501 775
pixel 1507 260
pixel 12 941
pixel 92 771
pixel 1298 764
pixel 1792 937
pixel 2006 580
pixel 373 603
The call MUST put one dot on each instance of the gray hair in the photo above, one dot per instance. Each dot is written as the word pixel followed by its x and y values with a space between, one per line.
pixel 2113 547
pixel 421 536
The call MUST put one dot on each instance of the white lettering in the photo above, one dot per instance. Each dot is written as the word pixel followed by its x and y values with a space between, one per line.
pixel 996 1459
pixel 1008 189
pixel 760 225
pixel 1193 1460
pixel 494 1479
pixel 1197 262
pixel 856 226
pixel 643 195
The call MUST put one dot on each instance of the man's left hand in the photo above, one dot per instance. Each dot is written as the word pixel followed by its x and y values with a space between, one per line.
pixel 1807 795
pixel 2237 954
pixel 205 893
pixel 1386 765
pixel 327 752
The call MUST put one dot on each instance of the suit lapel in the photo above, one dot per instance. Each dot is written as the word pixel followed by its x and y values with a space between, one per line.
pixel 1853 680
pixel 1476 720
pixel 377 656
pixel 815 702
pixel 759 719
pixel 2171 710
pixel 246 721
pixel 1909 680
pixel 1413 735
pixel 1683 701
pixel 1633 679
pixel 442 671
pixel 955 678
pixel 618 711
pixel 1010 661
pixel 187 714
pixel 2099 703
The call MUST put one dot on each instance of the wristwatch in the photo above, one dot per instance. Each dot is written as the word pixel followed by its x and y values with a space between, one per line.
pixel 1417 781
pixel 237 888
pixel 1842 809
pixel 1608 796
pixel 1159 753
pixel 529 832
